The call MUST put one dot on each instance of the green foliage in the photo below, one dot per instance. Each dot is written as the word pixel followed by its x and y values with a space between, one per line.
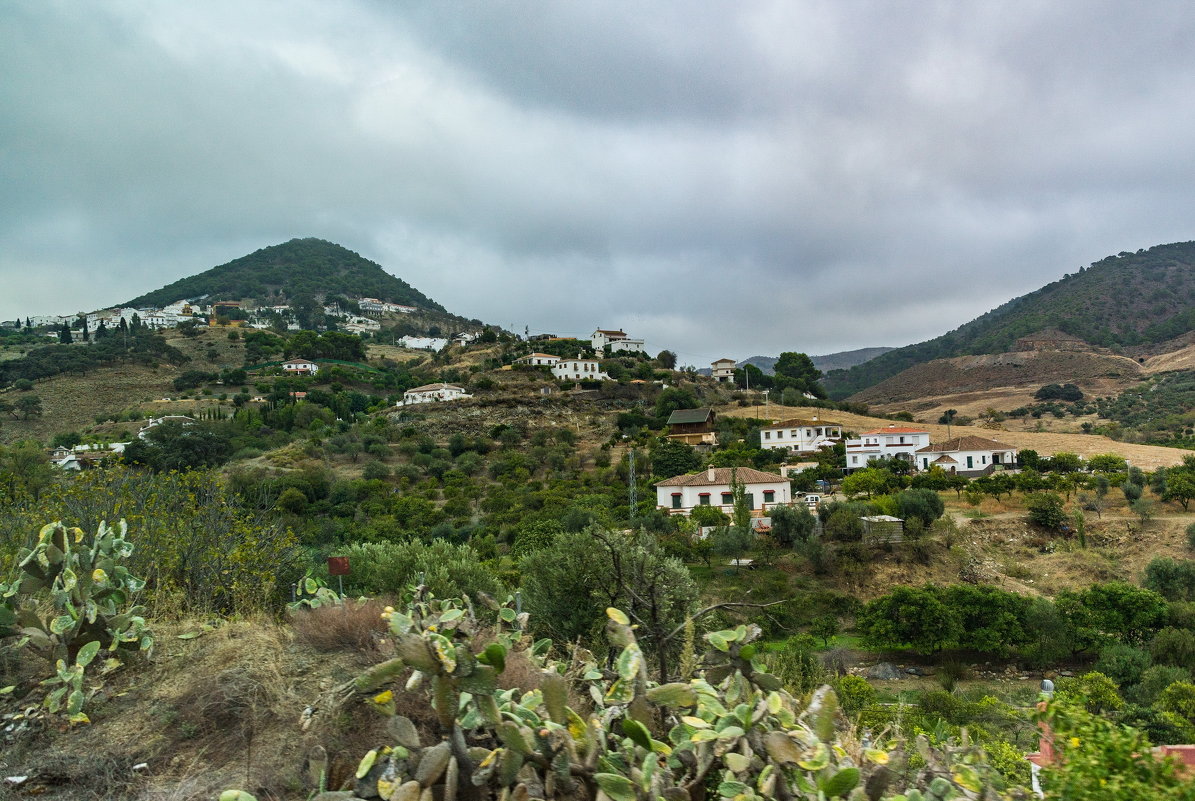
pixel 1094 691
pixel 1122 663
pixel 300 267
pixel 72 598
pixel 1066 392
pixel 563 584
pixel 180 445
pixel 854 693
pixel 920 504
pixel 52 360
pixel 1173 579
pixel 1173 646
pixel 792 525
pixel 1046 510
pixel 910 616
pixel 446 569
pixel 734 729
pixel 796 371
pixel 671 457
pixel 1110 612
pixel 709 516
pixel 1101 759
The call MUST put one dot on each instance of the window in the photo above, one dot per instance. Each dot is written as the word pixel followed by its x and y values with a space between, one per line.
pixel 727 498
pixel 676 496
pixel 705 498
pixel 854 460
pixel 769 496
pixel 767 435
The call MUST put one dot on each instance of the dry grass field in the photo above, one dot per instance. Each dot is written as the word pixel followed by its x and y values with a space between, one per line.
pixel 1147 457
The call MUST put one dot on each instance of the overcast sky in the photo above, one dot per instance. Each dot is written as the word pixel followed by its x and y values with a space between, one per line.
pixel 723 179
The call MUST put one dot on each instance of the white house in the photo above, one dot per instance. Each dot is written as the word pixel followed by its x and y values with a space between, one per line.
pixel 300 367
pixel 894 441
pixel 680 494
pixel 579 370
pixel 432 393
pixel 615 340
pixel 800 435
pixel 538 360
pixel 723 370
pixel 967 456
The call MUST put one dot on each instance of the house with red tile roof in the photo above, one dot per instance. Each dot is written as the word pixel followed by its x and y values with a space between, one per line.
pixel 898 442
pixel 967 456
pixel 679 495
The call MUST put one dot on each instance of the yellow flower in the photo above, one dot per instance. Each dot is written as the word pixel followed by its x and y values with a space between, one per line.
pixel 1074 742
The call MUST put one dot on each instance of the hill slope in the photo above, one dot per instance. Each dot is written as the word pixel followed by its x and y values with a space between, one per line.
pixel 1129 299
pixel 298 267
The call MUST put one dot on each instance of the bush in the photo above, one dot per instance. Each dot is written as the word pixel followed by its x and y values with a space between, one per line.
pixel 1124 664
pixel 1172 646
pixel 1173 579
pixel 1155 680
pixel 708 516
pixel 1045 509
pixel 854 693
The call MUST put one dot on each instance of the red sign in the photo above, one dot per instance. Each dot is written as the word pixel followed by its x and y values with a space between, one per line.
pixel 338 565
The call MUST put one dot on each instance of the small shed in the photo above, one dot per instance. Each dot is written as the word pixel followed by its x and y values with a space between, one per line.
pixel 882 528
pixel 692 426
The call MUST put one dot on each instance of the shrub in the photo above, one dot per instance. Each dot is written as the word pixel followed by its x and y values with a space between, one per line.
pixel 1045 509
pixel 854 693
pixel 1172 646
pixel 1155 680
pixel 1124 664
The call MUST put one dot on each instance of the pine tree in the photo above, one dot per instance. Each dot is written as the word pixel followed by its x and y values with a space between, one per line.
pixel 64 334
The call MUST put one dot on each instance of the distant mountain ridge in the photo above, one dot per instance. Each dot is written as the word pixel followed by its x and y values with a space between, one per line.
pixel 831 361
pixel 300 267
pixel 1129 299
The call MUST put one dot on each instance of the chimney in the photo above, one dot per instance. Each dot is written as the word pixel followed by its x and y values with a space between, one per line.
pixel 710 475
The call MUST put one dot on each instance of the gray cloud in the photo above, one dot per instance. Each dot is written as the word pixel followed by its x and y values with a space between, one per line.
pixel 722 179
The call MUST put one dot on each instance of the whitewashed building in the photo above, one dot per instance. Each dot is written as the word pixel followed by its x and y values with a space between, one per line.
pixel 711 487
pixel 967 456
pixel 801 435
pixel 615 340
pixel 538 360
pixel 433 393
pixel 579 370
pixel 723 370
pixel 300 367
pixel 894 441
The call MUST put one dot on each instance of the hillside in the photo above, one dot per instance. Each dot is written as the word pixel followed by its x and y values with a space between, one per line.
pixel 1028 370
pixel 300 267
pixel 1147 457
pixel 1130 299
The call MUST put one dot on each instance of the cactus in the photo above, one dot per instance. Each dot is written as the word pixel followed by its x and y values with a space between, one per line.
pixel 731 733
pixel 313 592
pixel 89 592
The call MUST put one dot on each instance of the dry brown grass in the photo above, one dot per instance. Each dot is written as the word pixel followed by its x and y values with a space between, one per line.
pixel 353 625
pixel 1147 457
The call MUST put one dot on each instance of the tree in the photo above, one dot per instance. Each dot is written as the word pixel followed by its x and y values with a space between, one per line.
pixel 867 481
pixel 793 525
pixel 29 406
pixel 796 371
pixel 672 399
pixel 585 573
pixel 24 469
pixel 732 542
pixel 1045 509
pixel 825 628
pixel 1180 486
pixel 180 445
pixel 910 616
pixel 921 504
pixel 64 334
pixel 670 457
pixel 667 359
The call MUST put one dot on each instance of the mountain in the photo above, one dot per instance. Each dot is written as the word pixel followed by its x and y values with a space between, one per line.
pixel 1129 299
pixel 831 361
pixel 299 267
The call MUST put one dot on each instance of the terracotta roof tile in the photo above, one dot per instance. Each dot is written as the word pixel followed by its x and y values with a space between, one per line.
pixel 746 475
